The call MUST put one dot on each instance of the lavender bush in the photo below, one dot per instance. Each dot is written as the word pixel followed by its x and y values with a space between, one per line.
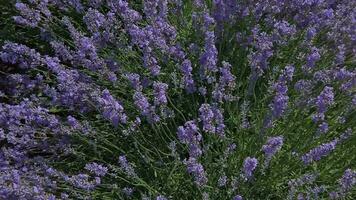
pixel 157 99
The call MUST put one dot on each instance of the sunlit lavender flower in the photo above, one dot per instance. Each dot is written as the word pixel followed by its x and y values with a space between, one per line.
pixel 121 7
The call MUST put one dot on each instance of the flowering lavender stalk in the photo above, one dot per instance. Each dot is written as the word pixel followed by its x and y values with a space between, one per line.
pixel 313 57
pixel 112 109
pixel 121 7
pixel 160 92
pixel 280 101
pixel 189 134
pixel 22 55
pixel 197 170
pixel 96 169
pixel 273 145
pixel 208 60
pixel 187 79
pixel 212 119
pixel 319 152
pixel 29 17
pixel 325 99
pixel 249 166
pixel 127 167
pixel 294 184
pixel 142 103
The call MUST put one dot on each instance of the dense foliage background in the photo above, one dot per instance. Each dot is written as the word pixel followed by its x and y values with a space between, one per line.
pixel 158 99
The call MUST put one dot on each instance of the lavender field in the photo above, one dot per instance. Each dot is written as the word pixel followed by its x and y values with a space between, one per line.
pixel 177 99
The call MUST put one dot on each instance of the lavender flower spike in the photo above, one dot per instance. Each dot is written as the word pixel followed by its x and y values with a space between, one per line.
pixel 249 166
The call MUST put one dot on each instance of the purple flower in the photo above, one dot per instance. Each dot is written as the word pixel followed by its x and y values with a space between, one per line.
pixel 29 17
pixel 249 166
pixel 237 197
pixel 187 79
pixel 134 80
pixel 208 60
pixel 142 103
pixel 161 197
pixel 121 7
pixel 313 57
pixel 126 167
pixel 160 92
pixel 325 99
pixel 96 169
pixel 112 109
pixel 22 55
pixel 323 127
pixel 319 152
pixel 280 100
pixel 189 134
pixel 348 180
pixel 284 28
pixel 346 183
pixel 273 145
pixel 212 119
pixel 128 191
pixel 197 170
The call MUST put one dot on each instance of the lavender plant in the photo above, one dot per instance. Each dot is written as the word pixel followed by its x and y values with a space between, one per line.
pixel 158 99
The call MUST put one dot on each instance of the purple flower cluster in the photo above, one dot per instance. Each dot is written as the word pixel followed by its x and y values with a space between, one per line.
pixel 346 183
pixel 160 92
pixel 96 169
pixel 187 79
pixel 212 119
pixel 324 149
pixel 126 167
pixel 249 166
pixel 189 134
pixel 280 101
pixel 112 109
pixel 273 145
pixel 197 170
pixel 129 63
